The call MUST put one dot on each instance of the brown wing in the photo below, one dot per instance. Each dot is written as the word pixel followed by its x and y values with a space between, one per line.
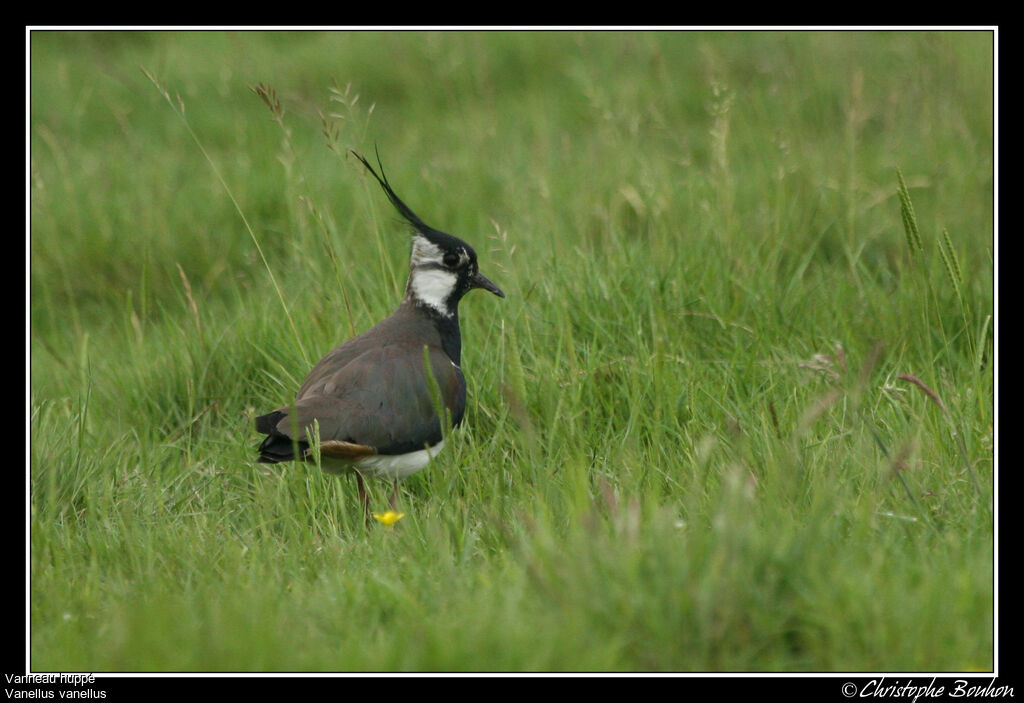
pixel 379 399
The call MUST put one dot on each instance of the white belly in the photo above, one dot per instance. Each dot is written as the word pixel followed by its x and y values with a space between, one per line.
pixel 398 465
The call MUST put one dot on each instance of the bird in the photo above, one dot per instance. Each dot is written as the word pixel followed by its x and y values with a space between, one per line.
pixel 372 400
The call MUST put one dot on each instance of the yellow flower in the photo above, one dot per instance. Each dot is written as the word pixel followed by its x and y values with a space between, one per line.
pixel 389 518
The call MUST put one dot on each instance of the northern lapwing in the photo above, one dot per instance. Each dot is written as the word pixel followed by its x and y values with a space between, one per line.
pixel 372 399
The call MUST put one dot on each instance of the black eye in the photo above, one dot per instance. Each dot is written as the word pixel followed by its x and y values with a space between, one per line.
pixel 450 259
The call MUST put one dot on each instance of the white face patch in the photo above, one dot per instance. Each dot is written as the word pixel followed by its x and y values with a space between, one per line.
pixel 430 282
pixel 425 252
pixel 432 287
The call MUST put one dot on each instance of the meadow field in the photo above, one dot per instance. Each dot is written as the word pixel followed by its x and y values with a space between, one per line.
pixel 736 413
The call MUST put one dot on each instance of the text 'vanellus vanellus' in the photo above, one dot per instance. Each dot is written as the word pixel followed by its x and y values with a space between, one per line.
pixel 372 399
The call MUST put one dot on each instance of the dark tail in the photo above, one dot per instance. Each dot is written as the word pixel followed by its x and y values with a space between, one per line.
pixel 276 447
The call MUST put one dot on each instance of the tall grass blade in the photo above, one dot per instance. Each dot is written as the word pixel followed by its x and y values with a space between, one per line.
pixel 952 263
pixel 907 215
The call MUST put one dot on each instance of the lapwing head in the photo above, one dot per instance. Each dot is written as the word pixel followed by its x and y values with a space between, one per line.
pixel 442 267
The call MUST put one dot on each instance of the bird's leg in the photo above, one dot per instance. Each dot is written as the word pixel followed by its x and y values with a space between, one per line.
pixel 363 498
pixel 394 496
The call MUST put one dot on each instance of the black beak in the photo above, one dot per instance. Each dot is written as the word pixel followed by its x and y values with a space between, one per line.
pixel 481 281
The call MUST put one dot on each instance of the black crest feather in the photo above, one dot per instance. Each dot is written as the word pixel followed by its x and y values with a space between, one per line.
pixel 442 239
pixel 402 208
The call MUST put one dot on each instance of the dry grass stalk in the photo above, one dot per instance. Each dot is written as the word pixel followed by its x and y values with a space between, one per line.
pixel 928 391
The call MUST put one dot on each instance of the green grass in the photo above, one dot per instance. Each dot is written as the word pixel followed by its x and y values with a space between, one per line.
pixel 735 414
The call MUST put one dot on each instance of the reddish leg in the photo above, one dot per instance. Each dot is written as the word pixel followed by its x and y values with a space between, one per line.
pixel 363 498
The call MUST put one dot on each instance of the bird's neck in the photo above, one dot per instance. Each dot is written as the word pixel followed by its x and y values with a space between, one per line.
pixel 446 323
pixel 451 337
